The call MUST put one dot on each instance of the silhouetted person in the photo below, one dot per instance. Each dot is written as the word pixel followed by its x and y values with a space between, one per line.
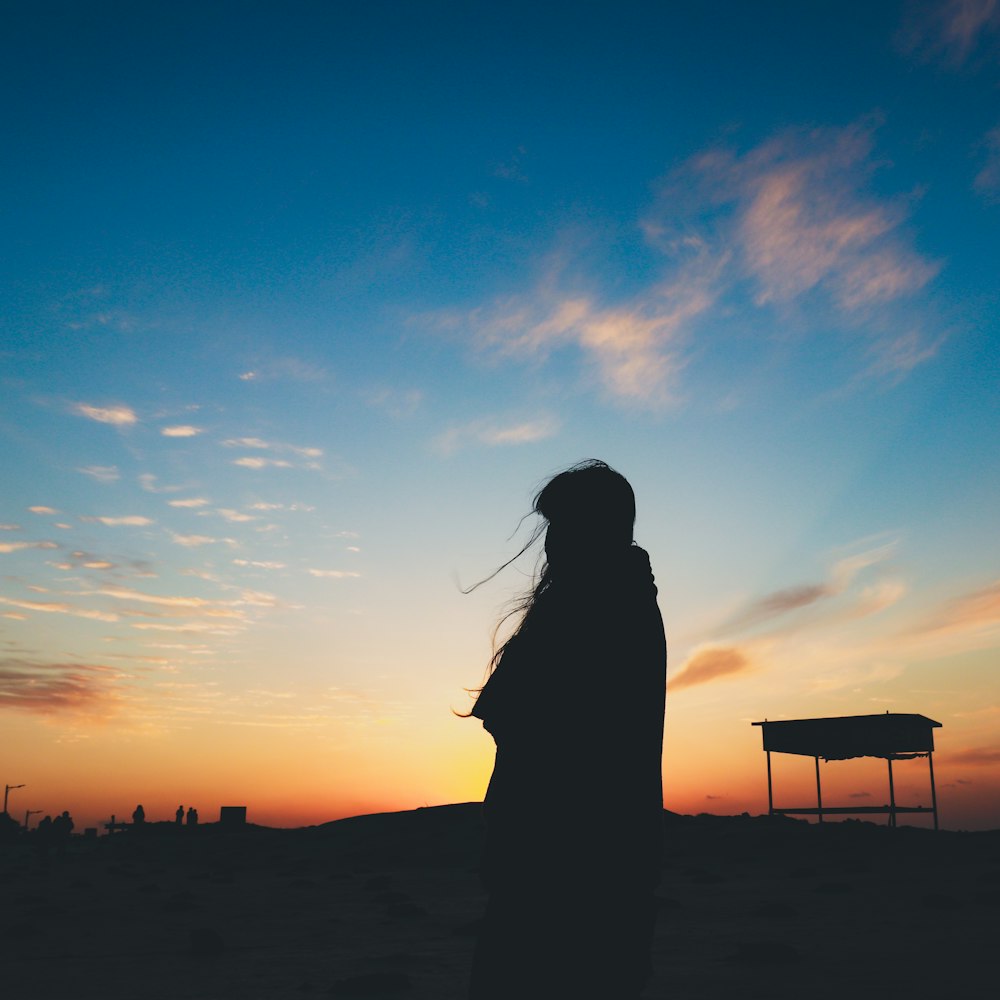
pixel 43 837
pixel 574 809
pixel 139 816
pixel 62 830
pixel 192 816
pixel 179 815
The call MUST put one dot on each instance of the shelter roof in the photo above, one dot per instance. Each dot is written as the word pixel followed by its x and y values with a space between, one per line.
pixel 892 735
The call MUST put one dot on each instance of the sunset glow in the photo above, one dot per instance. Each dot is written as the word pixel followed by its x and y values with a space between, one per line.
pixel 300 304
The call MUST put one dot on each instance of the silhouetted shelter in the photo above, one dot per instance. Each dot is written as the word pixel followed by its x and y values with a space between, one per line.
pixel 893 736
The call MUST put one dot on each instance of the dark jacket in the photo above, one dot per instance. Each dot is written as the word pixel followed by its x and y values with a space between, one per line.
pixel 576 709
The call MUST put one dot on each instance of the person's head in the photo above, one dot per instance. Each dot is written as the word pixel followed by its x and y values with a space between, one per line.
pixel 589 511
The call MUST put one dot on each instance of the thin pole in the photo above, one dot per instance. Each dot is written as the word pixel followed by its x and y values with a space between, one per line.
pixel 819 794
pixel 770 794
pixel 930 763
pixel 892 796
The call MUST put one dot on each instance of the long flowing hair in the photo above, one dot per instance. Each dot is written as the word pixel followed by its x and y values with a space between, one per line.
pixel 590 485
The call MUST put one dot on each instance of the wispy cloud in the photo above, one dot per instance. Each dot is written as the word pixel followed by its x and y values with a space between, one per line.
pixel 948 31
pixel 181 431
pixel 150 484
pixel 128 520
pixel 8 547
pixel 710 664
pixel 259 564
pixel 975 612
pixel 780 604
pixel 10 527
pixel 633 349
pixel 61 608
pixel 256 462
pixel 494 433
pixel 987 180
pixel 39 509
pixel 285 369
pixel 102 473
pixel 234 516
pixel 127 594
pixel 46 688
pixel 120 416
pixel 396 402
pixel 259 443
pixel 194 541
pixel 790 231
pixel 798 213
pixel 334 574
pixel 190 502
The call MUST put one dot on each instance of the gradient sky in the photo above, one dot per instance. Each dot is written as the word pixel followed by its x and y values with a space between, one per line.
pixel 301 302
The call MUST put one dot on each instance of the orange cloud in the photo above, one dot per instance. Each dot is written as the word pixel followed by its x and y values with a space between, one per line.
pixel 709 665
pixel 971 612
pixel 47 688
pixel 58 607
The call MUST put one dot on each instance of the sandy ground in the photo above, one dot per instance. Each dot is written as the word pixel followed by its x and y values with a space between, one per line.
pixel 386 906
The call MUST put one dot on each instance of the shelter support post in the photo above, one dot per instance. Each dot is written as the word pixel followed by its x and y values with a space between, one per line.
pixel 770 792
pixel 930 764
pixel 892 797
pixel 819 793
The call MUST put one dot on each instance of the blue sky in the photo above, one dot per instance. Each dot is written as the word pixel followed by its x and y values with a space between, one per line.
pixel 301 302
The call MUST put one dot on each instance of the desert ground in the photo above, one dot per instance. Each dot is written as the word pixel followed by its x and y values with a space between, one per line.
pixel 387 906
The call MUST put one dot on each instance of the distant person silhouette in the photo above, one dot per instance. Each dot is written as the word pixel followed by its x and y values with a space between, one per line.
pixel 43 837
pixel 192 816
pixel 179 815
pixel 139 816
pixel 62 830
pixel 574 808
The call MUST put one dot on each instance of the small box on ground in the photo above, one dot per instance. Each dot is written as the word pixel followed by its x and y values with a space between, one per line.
pixel 233 815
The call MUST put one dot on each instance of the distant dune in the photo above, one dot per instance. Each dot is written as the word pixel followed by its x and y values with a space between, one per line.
pixel 387 905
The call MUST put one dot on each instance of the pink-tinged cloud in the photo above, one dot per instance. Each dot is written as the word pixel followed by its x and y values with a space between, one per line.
pixel 119 416
pixel 253 462
pixel 495 434
pixel 101 473
pixel 128 521
pixel 977 611
pixel 948 31
pixel 633 350
pixel 193 541
pixel 60 607
pixel 334 574
pixel 871 599
pixel 49 688
pixel 41 509
pixel 18 546
pixel 190 502
pixel 797 210
pixel 780 602
pixel 127 594
pixel 987 180
pixel 181 431
pixel 234 516
pixel 708 665
pixel 793 224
